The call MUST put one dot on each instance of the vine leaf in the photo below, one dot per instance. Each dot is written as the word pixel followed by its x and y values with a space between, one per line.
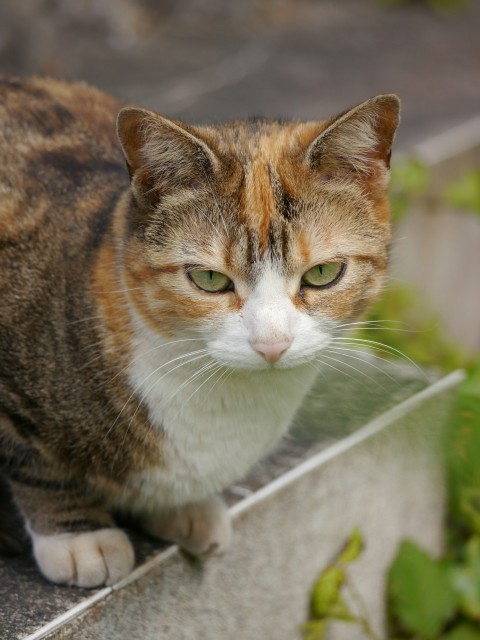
pixel 326 600
pixel 314 630
pixel 352 549
pixel 466 580
pixel 462 632
pixel 421 595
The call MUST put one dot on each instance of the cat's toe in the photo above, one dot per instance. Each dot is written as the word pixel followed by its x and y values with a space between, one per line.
pixel 88 559
pixel 210 531
pixel 201 529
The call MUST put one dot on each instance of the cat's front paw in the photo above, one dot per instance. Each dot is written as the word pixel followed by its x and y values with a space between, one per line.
pixel 88 559
pixel 202 529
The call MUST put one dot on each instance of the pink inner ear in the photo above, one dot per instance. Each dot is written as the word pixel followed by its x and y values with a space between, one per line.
pixel 358 139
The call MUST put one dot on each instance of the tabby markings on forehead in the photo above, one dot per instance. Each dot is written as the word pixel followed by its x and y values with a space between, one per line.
pixel 269 207
pixel 285 202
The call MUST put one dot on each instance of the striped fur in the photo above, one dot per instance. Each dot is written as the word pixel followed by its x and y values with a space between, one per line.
pixel 124 386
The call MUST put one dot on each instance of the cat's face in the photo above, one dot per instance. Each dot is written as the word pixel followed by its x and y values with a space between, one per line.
pixel 260 238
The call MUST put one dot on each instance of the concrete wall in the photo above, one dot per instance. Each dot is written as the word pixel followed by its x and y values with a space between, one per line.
pixel 438 247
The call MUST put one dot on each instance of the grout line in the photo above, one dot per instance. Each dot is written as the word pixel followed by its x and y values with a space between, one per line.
pixel 69 615
pixel 146 567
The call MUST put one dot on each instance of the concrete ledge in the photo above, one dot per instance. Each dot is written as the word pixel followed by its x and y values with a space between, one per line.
pixel 387 477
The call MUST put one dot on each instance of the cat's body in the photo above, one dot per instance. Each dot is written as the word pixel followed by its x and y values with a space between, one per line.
pixel 155 343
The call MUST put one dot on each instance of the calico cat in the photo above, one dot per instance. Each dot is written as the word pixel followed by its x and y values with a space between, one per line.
pixel 158 335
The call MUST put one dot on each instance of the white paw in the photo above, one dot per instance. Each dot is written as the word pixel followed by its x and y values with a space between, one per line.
pixel 202 529
pixel 87 559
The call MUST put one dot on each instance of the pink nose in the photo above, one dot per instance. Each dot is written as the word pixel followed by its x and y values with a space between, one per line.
pixel 271 351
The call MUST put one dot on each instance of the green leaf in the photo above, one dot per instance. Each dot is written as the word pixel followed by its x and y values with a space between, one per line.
pixel 410 179
pixel 466 580
pixel 464 452
pixel 472 554
pixel 326 592
pixel 314 630
pixel 471 386
pixel 353 548
pixel 467 587
pixel 467 507
pixel 422 598
pixel 340 611
pixel 418 335
pixel 411 175
pixel 463 632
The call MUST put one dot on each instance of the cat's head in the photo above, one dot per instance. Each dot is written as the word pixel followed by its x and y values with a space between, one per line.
pixel 261 237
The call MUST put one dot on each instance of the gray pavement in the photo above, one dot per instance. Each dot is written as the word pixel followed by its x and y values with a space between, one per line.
pixel 211 60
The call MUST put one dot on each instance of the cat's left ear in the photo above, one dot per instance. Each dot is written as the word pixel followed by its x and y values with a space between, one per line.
pixel 162 154
pixel 360 140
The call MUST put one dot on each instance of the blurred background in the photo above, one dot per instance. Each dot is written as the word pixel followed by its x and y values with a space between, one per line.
pixel 205 60
pixel 210 60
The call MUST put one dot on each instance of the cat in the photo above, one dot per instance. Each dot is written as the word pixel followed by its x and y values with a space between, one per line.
pixel 166 292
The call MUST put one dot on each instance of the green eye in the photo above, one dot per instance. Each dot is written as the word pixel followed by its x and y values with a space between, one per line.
pixel 211 281
pixel 324 274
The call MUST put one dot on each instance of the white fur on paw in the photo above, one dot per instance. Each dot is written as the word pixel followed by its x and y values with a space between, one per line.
pixel 87 559
pixel 202 529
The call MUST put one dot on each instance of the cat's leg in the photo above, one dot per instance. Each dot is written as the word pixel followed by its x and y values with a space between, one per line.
pixel 202 529
pixel 74 538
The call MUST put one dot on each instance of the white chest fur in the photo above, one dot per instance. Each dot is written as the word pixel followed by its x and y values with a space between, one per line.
pixel 217 424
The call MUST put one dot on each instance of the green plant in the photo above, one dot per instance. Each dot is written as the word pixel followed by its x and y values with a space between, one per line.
pixel 428 598
pixel 410 179
pixel 327 597
pixel 442 6
pixel 422 597
pixel 464 193
pixel 431 598
pixel 464 457
pixel 403 322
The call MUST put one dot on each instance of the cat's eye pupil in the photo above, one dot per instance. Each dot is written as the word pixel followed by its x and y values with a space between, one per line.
pixel 323 275
pixel 209 280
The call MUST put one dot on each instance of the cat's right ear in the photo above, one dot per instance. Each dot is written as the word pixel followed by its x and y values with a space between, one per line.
pixel 358 143
pixel 161 154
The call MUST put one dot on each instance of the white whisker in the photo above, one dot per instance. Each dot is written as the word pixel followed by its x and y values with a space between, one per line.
pixel 198 354
pixel 215 370
pixel 343 352
pixel 203 369
pixel 145 393
pixel 161 346
pixel 369 322
pixel 362 373
pixel 378 346
pixel 344 373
